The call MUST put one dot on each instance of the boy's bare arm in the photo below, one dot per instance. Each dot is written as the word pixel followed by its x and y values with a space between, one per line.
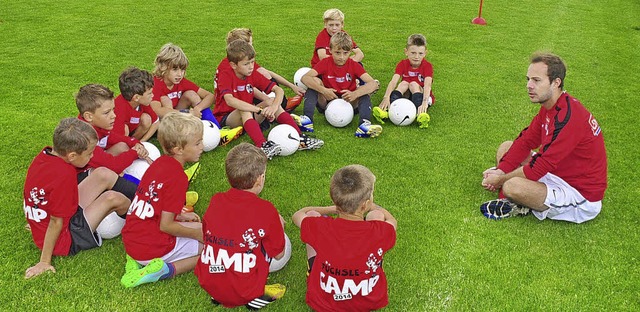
pixel 207 99
pixel 162 108
pixel 282 81
pixel 370 86
pixel 387 94
pixel 152 130
pixel 310 79
pixel 50 239
pixel 426 95
pixel 387 216
pixel 358 55
pixel 172 227
pixel 299 215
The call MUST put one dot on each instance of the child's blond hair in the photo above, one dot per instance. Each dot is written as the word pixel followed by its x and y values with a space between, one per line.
pixel 244 165
pixel 134 81
pixel 176 129
pixel 341 41
pixel 170 56
pixel 417 40
pixel 333 14
pixel 73 135
pixel 239 33
pixel 351 186
pixel 238 49
pixel 90 97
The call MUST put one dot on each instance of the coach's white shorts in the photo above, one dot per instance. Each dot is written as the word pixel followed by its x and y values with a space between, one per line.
pixel 565 202
pixel 185 248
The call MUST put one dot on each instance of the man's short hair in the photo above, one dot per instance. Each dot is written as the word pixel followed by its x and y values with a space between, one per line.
pixel 333 14
pixel 73 135
pixel 170 56
pixel 417 40
pixel 90 97
pixel 351 186
pixel 134 81
pixel 239 33
pixel 555 66
pixel 244 165
pixel 176 129
pixel 341 41
pixel 238 49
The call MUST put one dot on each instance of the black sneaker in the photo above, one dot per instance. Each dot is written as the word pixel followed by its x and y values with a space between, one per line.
pixel 498 209
pixel 271 149
pixel 309 143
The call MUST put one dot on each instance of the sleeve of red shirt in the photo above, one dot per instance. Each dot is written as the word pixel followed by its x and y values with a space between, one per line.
pixel 399 69
pixel 121 119
pixel 307 230
pixel 274 242
pixel 428 70
pixel 388 232
pixel 175 194
pixel 189 85
pixel 262 83
pixel 358 70
pixel 547 159
pixel 528 140
pixel 225 82
pixel 115 138
pixel 116 163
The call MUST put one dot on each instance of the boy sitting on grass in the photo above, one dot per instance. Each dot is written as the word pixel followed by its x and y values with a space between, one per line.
pixel 61 213
pixel 234 100
pixel 172 91
pixel 345 254
pixel 157 234
pixel 134 116
pixel 415 75
pixel 333 24
pixel 241 233
pixel 335 77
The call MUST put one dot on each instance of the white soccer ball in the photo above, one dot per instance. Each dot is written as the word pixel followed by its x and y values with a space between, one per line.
pixel 137 168
pixel 210 135
pixel 111 226
pixel 277 265
pixel 154 152
pixel 297 77
pixel 287 137
pixel 402 112
pixel 339 113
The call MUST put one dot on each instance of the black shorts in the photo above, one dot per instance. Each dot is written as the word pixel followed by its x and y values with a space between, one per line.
pixel 82 237
pixel 223 121
pixel 83 175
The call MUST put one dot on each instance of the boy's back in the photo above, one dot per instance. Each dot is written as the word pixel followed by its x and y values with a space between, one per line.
pixel 347 272
pixel 50 188
pixel 162 188
pixel 240 229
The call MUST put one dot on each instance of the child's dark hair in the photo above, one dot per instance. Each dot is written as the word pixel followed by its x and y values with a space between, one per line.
pixel 417 40
pixel 134 81
pixel 90 97
pixel 238 49
pixel 244 164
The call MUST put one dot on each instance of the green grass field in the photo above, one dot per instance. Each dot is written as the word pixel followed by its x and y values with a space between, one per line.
pixel 447 256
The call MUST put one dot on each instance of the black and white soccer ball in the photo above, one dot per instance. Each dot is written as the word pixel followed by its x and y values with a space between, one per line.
pixel 339 113
pixel 210 135
pixel 402 112
pixel 111 226
pixel 287 137
pixel 277 265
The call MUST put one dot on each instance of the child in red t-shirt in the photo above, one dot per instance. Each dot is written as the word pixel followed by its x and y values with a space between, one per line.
pixel 158 234
pixel 335 77
pixel 234 100
pixel 345 254
pixel 333 24
pixel 134 116
pixel 61 213
pixel 242 233
pixel 415 76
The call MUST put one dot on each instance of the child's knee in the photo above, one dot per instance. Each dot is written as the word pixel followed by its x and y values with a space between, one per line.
pixel 145 120
pixel 313 213
pixel 104 174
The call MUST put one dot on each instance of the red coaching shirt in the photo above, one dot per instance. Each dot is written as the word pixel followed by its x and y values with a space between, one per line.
pixel 347 273
pixel 50 189
pixel 570 145
pixel 240 230
pixel 162 188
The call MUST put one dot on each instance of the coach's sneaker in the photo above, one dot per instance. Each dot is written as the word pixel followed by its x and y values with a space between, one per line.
pixel 271 149
pixel 292 103
pixel 379 114
pixel 309 143
pixel 227 134
pixel 131 265
pixel 190 202
pixel 423 119
pixel 498 209
pixel 192 172
pixel 367 130
pixel 304 123
pixel 152 272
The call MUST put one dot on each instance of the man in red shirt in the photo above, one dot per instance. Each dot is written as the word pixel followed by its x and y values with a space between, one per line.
pixel 566 176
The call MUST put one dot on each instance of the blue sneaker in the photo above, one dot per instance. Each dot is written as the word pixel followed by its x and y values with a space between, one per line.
pixel 499 209
pixel 304 123
pixel 367 130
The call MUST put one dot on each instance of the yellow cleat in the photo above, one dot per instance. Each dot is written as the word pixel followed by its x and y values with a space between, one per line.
pixel 379 114
pixel 192 171
pixel 423 119
pixel 274 291
pixel 227 134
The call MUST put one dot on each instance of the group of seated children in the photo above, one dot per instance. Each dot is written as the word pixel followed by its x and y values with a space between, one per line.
pixel 71 186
